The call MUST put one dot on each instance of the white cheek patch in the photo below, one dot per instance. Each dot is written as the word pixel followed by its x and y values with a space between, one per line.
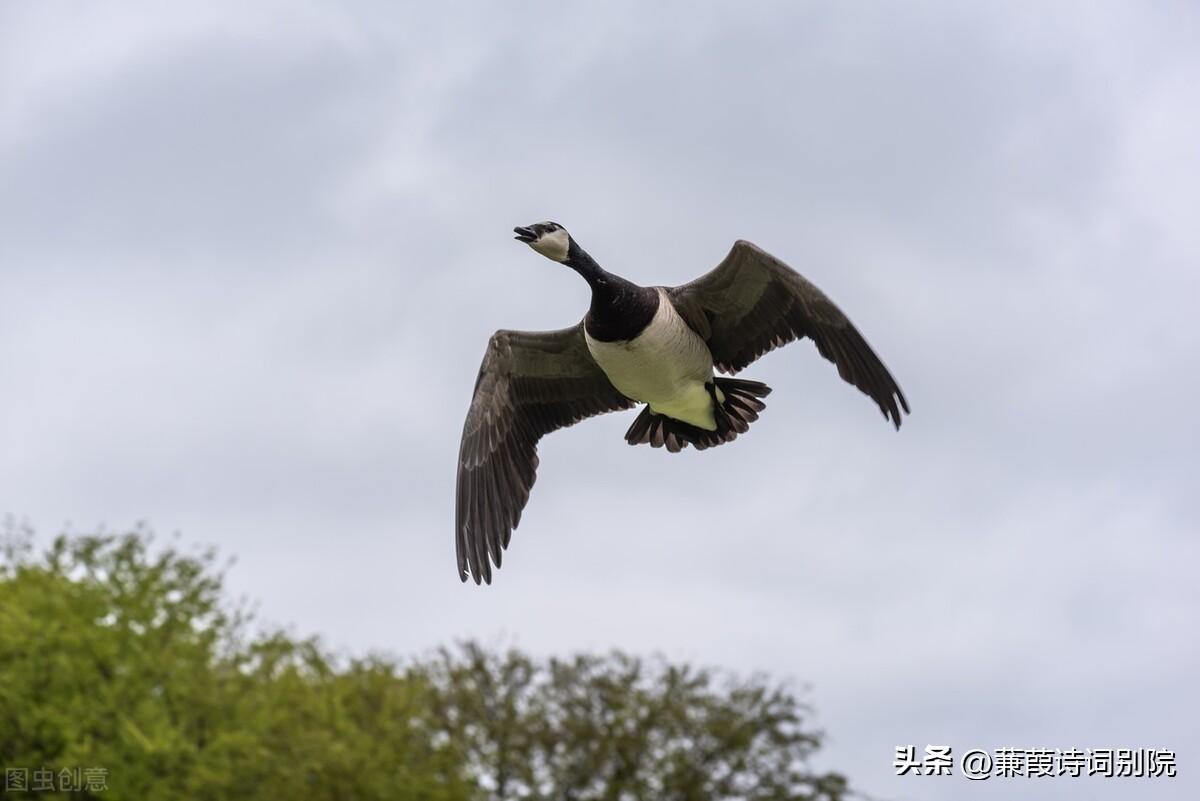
pixel 553 245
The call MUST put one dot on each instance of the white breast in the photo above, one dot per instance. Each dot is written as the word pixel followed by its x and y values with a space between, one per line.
pixel 666 365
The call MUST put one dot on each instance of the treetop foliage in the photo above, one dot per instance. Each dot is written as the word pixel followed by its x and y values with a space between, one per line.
pixel 122 655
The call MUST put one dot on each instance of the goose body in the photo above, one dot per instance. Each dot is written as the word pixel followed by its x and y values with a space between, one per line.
pixel 666 365
pixel 657 346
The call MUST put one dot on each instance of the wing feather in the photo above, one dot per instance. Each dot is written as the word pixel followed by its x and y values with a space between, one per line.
pixel 530 383
pixel 752 303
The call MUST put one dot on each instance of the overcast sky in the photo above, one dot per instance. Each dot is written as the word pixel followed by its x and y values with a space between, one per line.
pixel 250 255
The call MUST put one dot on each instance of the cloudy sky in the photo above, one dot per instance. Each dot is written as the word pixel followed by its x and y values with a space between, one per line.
pixel 250 257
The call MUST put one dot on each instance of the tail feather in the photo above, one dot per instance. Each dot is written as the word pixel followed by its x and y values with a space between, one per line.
pixel 734 415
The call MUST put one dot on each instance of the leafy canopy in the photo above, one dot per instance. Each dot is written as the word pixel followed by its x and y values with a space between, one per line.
pixel 121 655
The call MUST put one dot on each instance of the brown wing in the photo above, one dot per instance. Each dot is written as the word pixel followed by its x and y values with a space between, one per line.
pixel 530 383
pixel 752 303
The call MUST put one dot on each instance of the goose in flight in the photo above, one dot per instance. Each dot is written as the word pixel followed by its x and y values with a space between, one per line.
pixel 656 346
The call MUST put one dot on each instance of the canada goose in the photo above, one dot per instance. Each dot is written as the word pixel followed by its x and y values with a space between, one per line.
pixel 636 344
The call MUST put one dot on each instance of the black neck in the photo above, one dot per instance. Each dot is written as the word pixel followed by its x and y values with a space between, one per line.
pixel 620 309
pixel 579 261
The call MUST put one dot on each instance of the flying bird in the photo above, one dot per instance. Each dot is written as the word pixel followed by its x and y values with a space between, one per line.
pixel 656 346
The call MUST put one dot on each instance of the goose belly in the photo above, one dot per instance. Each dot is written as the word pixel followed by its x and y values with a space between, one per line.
pixel 666 366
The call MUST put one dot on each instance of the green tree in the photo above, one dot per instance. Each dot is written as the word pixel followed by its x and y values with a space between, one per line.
pixel 115 656
pixel 603 728
pixel 120 655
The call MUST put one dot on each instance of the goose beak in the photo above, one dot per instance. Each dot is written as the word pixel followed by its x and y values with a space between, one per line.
pixel 524 235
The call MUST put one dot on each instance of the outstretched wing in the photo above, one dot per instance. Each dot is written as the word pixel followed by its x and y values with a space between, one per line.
pixel 752 303
pixel 530 383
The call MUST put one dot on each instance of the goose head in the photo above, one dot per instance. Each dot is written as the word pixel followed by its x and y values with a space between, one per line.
pixel 548 238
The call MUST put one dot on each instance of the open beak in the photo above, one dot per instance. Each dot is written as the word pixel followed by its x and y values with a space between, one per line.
pixel 524 235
